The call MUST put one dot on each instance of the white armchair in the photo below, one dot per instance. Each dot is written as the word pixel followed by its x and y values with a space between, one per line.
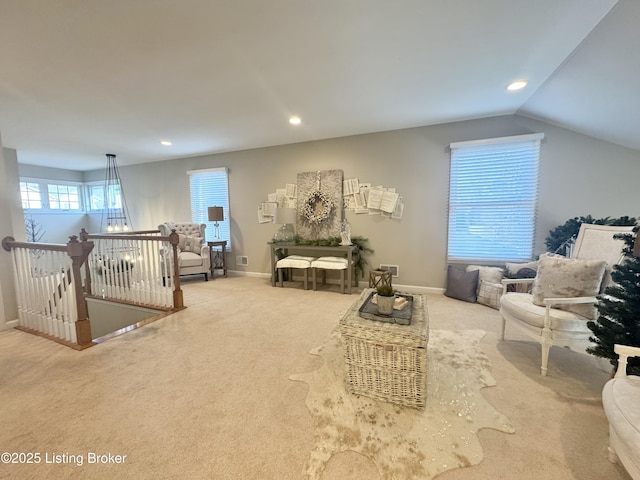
pixel 620 400
pixel 563 295
pixel 193 252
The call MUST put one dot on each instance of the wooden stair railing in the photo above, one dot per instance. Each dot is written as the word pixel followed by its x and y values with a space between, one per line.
pixel 141 236
pixel 78 253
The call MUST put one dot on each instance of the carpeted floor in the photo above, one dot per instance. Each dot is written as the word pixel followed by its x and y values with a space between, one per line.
pixel 205 393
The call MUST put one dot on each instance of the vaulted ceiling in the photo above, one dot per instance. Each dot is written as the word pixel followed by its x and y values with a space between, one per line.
pixel 79 79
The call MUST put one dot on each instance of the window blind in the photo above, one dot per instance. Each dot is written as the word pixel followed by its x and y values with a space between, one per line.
pixel 493 192
pixel 210 188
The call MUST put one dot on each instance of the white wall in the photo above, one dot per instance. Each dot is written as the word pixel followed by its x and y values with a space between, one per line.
pixel 579 176
pixel 10 223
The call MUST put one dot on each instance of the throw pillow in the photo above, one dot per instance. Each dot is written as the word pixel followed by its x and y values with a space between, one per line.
pixel 487 274
pixel 181 241
pixel 521 270
pixel 489 294
pixel 461 285
pixel 562 277
pixel 192 244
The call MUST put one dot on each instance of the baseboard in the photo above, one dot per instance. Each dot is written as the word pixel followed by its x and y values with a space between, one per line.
pixel 242 273
pixel 9 324
pixel 336 281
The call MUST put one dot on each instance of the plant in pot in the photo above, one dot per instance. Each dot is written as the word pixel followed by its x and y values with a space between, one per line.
pixel 386 299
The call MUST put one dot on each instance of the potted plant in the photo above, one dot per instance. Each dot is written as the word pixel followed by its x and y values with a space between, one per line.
pixel 386 299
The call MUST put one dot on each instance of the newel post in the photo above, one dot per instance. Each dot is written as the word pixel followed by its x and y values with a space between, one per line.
pixel 178 300
pixel 84 238
pixel 79 252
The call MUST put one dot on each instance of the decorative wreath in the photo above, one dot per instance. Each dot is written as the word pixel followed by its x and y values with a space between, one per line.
pixel 317 208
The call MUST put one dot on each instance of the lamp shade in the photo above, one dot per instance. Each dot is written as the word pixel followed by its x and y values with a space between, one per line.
pixel 216 214
pixel 284 215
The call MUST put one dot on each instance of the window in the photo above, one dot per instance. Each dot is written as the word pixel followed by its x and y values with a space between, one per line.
pixel 210 188
pixel 97 199
pixel 64 197
pixel 493 191
pixel 30 194
pixel 47 195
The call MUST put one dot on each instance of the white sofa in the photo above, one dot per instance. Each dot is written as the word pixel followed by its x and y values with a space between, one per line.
pixel 621 401
pixel 193 251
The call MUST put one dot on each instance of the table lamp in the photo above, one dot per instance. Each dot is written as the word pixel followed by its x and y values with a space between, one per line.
pixel 286 217
pixel 216 214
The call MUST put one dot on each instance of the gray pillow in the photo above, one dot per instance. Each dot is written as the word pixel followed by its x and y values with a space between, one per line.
pixel 461 285
pixel 514 269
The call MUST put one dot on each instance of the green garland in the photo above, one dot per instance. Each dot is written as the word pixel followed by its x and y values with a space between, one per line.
pixel 560 235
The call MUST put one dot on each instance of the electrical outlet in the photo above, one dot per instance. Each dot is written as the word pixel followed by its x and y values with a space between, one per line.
pixel 394 269
pixel 242 260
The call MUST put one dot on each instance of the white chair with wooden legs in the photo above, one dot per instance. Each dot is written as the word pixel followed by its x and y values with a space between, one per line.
pixel 561 318
pixel 297 262
pixel 329 263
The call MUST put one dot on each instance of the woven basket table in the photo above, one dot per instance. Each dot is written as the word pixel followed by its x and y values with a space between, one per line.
pixel 386 361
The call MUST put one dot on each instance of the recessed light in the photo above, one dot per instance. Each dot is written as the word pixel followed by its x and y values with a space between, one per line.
pixel 295 120
pixel 517 85
pixel 166 143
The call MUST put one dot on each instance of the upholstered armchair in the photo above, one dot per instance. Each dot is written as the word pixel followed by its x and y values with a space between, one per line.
pixel 620 400
pixel 563 295
pixel 193 252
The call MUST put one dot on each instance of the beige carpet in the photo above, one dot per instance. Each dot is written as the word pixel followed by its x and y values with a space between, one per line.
pixel 205 393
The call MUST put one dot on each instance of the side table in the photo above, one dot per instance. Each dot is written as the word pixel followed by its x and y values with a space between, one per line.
pixel 223 244
pixel 386 361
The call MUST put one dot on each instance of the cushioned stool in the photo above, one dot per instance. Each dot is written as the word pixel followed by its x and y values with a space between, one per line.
pixel 329 263
pixel 295 261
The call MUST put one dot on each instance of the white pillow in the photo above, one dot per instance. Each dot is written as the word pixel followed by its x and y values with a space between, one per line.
pixel 488 274
pixel 562 277
pixel 489 294
pixel 192 244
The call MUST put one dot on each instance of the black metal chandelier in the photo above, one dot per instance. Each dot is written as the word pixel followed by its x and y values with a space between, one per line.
pixel 115 214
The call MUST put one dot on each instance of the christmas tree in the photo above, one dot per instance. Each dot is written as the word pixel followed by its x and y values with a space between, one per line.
pixel 619 309
pixel 563 235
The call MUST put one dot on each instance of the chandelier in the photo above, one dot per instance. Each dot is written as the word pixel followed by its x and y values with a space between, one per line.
pixel 115 214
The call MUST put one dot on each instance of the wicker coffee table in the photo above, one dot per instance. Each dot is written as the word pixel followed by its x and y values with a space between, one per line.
pixel 386 361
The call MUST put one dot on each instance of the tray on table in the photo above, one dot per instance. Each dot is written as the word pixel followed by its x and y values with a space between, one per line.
pixel 369 310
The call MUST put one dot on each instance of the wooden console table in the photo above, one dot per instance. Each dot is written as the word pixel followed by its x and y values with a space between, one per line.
pixel 313 250
pixel 223 244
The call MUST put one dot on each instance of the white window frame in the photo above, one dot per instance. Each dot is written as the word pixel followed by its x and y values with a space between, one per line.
pixel 44 195
pixel 493 193
pixel 28 200
pixel 88 203
pixel 209 187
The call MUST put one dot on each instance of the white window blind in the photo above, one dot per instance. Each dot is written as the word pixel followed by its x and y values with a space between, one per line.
pixel 493 192
pixel 210 188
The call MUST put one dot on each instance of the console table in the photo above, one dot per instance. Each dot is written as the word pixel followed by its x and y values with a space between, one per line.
pixel 313 250
pixel 223 244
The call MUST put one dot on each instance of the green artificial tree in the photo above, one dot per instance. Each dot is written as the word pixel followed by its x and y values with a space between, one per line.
pixel 560 236
pixel 619 309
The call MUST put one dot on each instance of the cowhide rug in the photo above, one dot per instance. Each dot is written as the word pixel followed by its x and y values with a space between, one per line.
pixel 405 443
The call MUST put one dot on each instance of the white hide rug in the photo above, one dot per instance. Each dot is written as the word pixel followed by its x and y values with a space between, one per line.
pixel 406 443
